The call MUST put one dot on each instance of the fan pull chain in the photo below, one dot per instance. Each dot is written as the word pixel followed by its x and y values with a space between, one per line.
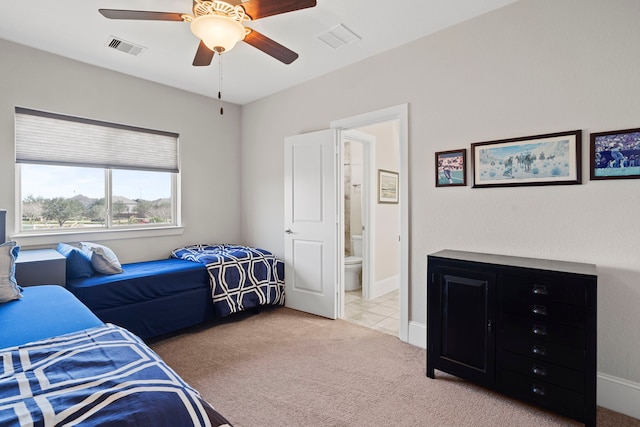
pixel 220 83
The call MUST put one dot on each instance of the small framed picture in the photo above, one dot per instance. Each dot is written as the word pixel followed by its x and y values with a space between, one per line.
pixel 451 168
pixel 615 154
pixel 550 159
pixel 387 186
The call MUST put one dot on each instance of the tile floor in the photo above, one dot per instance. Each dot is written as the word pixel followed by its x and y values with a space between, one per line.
pixel 382 313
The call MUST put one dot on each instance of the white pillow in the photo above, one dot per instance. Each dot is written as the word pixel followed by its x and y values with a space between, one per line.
pixel 9 289
pixel 103 259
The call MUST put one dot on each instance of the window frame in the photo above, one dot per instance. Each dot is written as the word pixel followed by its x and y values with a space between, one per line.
pixel 109 231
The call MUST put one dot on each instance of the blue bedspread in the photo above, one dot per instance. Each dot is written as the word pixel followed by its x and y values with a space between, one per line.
pixel 241 277
pixel 100 376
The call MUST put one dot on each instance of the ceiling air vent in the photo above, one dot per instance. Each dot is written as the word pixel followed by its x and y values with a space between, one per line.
pixel 339 36
pixel 125 46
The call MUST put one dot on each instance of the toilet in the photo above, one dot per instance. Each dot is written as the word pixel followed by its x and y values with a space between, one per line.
pixel 353 265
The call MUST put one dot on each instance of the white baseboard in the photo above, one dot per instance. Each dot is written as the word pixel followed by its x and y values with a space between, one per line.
pixel 385 286
pixel 616 394
pixel 417 334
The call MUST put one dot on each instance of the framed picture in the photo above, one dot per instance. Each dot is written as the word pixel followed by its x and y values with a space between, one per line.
pixel 451 168
pixel 615 154
pixel 549 159
pixel 387 186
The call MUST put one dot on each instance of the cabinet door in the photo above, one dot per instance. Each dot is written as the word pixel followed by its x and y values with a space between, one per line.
pixel 461 338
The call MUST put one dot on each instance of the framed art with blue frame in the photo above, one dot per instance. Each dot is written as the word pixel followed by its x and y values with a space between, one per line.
pixel 615 154
pixel 549 159
pixel 451 168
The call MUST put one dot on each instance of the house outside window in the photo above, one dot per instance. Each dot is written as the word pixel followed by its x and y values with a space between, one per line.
pixel 79 174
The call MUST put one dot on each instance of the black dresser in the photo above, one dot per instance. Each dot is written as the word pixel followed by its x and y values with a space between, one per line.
pixel 522 326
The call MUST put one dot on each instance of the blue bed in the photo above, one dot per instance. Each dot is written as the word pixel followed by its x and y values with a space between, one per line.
pixel 241 277
pixel 30 318
pixel 148 298
pixel 62 366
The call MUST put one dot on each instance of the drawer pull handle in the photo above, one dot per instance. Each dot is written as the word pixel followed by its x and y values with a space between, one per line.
pixel 539 350
pixel 540 290
pixel 540 310
pixel 539 330
pixel 538 390
pixel 538 370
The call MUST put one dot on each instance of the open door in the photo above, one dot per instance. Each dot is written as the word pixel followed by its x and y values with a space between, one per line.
pixel 311 223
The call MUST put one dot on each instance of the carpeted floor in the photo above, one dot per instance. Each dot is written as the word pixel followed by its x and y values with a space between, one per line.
pixel 286 368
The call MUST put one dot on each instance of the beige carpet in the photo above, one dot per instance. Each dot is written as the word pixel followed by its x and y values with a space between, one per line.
pixel 286 368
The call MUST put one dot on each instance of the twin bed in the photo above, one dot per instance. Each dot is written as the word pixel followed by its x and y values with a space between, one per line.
pixel 197 283
pixel 62 365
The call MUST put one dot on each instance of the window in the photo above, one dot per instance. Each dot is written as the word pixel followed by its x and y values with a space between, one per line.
pixel 79 174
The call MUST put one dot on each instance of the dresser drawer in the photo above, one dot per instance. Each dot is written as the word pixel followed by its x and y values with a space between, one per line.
pixel 542 331
pixel 544 289
pixel 573 315
pixel 542 371
pixel 543 393
pixel 570 357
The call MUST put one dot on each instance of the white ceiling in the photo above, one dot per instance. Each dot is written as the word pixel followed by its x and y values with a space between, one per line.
pixel 75 29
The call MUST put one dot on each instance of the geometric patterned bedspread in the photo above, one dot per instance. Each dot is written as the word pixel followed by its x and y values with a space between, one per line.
pixel 102 376
pixel 241 277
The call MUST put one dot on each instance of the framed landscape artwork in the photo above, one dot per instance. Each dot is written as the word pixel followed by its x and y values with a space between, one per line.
pixel 549 159
pixel 387 186
pixel 615 154
pixel 451 168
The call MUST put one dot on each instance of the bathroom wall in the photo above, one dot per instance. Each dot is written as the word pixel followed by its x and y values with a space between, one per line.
pixel 353 171
pixel 386 256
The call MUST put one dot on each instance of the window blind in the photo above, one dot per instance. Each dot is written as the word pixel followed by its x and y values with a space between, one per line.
pixel 56 139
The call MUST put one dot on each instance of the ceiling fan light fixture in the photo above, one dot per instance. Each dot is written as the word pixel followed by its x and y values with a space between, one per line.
pixel 219 33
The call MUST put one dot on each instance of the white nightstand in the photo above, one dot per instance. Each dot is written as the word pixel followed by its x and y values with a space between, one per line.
pixel 41 267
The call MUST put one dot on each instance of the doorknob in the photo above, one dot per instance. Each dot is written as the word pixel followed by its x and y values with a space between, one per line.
pixel 288 231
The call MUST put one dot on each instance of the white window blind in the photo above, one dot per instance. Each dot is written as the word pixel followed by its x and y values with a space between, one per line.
pixel 55 139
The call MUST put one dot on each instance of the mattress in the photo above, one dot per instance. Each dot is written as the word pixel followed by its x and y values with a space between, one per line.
pixel 29 319
pixel 141 281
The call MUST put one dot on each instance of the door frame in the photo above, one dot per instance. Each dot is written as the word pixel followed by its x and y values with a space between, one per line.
pixel 400 113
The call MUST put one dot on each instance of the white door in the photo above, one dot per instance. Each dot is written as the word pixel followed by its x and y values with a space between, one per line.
pixel 311 223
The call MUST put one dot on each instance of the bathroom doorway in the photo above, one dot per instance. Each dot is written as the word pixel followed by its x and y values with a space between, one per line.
pixel 399 116
pixel 371 229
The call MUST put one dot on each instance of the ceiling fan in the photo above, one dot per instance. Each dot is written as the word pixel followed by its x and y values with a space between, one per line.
pixel 220 25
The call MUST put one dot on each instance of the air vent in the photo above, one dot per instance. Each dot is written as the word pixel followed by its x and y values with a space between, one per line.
pixel 339 36
pixel 125 46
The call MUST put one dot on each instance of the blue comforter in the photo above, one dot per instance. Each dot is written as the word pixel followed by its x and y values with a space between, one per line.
pixel 100 376
pixel 241 277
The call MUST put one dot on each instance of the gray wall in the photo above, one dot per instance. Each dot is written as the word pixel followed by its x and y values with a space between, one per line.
pixel 536 66
pixel 209 144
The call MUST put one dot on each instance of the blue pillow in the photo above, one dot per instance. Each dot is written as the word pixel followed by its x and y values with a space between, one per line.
pixel 78 264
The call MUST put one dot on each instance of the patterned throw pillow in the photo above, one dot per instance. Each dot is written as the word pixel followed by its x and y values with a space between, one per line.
pixel 9 289
pixel 103 259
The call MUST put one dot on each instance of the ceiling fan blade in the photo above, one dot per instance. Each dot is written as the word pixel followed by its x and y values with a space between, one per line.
pixel 204 55
pixel 257 9
pixel 270 47
pixel 140 15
